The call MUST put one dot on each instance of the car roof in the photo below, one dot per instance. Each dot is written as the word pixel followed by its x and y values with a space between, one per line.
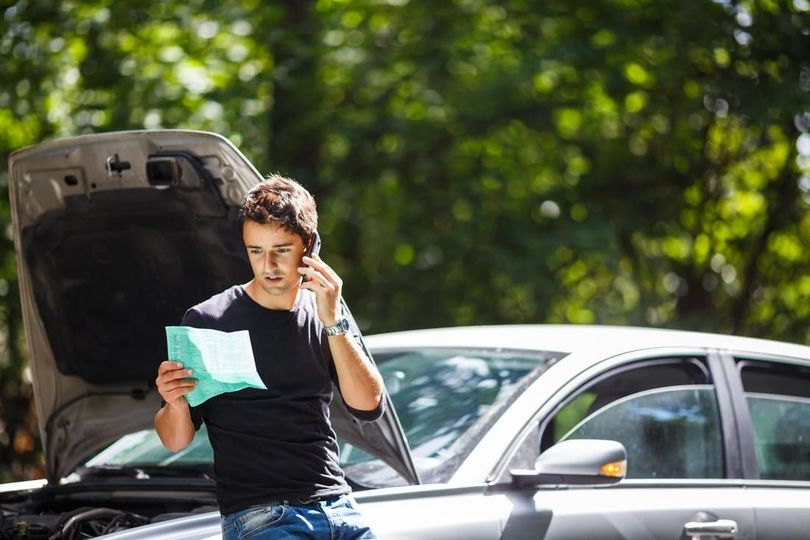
pixel 579 339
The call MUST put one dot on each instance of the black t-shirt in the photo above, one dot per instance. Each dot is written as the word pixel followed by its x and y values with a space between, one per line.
pixel 276 443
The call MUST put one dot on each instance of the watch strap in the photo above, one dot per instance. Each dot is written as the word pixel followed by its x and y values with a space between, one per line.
pixel 339 328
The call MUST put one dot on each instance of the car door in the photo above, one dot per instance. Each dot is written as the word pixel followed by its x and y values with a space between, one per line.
pixel 772 398
pixel 672 412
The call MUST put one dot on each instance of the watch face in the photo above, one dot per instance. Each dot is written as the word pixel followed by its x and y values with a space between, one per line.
pixel 340 327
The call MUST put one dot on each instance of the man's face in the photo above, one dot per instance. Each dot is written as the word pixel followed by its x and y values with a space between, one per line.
pixel 275 256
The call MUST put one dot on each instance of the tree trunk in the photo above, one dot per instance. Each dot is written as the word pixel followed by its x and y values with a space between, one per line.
pixel 295 135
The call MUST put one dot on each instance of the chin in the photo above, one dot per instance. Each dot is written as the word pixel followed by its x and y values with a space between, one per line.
pixel 275 290
pixel 284 287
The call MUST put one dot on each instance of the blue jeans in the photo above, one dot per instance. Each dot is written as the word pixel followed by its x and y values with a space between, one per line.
pixel 336 518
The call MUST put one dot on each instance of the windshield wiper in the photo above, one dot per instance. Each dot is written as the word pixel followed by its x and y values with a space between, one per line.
pixel 145 472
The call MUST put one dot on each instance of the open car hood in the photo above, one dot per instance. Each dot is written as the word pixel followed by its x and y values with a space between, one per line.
pixel 117 234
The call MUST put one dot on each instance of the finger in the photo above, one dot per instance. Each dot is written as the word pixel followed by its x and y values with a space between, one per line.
pixel 324 269
pixel 186 381
pixel 177 393
pixel 333 275
pixel 313 287
pixel 317 277
pixel 168 365
pixel 319 265
pixel 173 375
pixel 183 383
pixel 177 374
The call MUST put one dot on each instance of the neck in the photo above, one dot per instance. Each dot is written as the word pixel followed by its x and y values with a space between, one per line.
pixel 280 302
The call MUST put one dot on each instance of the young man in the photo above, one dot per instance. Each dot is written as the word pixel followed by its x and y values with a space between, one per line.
pixel 275 453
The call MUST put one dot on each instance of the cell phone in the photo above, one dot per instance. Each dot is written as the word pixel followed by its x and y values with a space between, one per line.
pixel 314 248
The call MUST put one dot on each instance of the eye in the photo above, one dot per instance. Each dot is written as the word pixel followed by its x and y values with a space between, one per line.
pixel 282 251
pixel 255 251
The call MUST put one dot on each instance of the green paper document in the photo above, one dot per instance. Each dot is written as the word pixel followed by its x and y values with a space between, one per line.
pixel 222 361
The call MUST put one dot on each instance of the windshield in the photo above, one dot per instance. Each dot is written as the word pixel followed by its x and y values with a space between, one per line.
pixel 445 399
pixel 144 448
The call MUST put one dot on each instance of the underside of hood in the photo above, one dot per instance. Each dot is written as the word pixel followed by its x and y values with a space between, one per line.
pixel 117 235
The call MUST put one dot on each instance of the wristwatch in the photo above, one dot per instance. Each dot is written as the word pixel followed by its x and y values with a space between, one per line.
pixel 339 328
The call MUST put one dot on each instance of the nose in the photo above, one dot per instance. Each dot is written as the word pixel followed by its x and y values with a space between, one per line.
pixel 270 262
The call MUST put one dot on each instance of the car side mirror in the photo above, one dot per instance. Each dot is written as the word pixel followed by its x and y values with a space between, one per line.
pixel 576 462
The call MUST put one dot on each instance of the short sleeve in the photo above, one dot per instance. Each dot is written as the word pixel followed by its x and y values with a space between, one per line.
pixel 192 318
pixel 368 416
pixel 196 417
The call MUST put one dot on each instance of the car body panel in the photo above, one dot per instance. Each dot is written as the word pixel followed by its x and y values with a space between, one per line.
pixel 433 514
pixel 630 511
pixel 22 486
pixel 581 341
pixel 616 512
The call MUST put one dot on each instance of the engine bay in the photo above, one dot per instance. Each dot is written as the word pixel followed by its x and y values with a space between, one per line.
pixel 78 512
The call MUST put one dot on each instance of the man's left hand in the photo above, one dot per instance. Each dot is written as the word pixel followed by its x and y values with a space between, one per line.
pixel 326 285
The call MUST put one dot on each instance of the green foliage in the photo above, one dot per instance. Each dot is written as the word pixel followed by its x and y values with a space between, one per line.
pixel 475 161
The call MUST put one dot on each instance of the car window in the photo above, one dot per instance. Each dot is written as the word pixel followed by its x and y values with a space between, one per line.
pixel 667 432
pixel 664 411
pixel 778 397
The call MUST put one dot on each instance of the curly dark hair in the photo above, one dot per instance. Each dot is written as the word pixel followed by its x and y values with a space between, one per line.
pixel 281 200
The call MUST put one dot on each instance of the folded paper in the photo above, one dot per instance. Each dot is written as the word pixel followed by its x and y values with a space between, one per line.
pixel 221 361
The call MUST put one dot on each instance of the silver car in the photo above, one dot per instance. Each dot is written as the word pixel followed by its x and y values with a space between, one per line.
pixel 493 432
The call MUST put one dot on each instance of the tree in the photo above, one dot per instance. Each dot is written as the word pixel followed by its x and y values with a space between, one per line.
pixel 475 161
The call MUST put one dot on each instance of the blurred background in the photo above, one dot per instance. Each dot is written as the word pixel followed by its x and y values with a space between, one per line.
pixel 641 162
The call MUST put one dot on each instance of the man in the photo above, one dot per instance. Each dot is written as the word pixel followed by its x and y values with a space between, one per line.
pixel 275 453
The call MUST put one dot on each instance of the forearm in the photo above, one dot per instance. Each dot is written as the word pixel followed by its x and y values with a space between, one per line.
pixel 174 427
pixel 360 383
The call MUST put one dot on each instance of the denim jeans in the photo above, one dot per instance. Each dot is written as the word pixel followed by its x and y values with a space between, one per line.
pixel 336 518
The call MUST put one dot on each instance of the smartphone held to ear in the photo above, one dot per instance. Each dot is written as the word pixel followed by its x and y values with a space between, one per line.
pixel 313 249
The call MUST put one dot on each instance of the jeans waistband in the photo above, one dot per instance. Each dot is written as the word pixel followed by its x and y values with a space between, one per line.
pixel 288 501
pixel 304 500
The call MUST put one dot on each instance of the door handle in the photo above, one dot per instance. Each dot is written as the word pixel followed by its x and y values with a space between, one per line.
pixel 722 528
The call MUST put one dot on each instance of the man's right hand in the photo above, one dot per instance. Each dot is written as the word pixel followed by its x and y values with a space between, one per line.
pixel 174 382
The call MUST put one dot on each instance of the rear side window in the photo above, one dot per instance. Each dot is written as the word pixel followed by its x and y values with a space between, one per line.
pixel 778 397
